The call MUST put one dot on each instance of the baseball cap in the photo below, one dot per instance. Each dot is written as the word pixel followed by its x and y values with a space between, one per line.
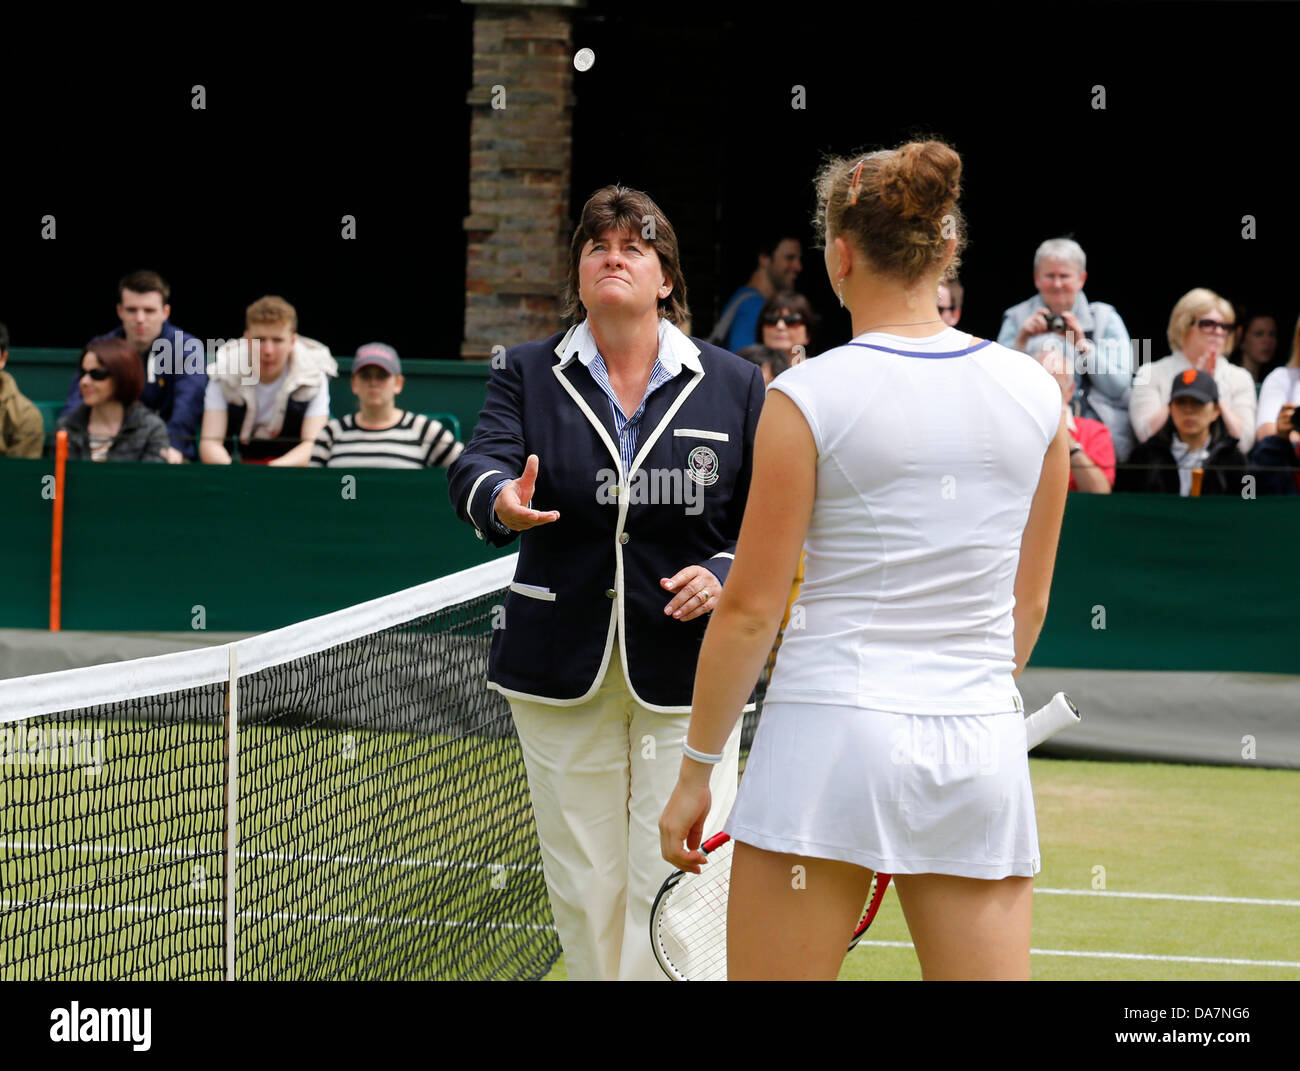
pixel 1192 383
pixel 377 353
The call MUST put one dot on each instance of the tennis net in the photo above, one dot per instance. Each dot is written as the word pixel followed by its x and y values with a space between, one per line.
pixel 381 821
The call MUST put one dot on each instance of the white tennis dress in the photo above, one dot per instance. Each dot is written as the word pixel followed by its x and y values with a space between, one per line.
pixel 892 735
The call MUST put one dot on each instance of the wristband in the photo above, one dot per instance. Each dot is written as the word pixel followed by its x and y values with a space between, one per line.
pixel 701 756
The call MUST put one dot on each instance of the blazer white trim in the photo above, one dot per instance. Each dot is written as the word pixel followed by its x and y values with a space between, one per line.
pixel 469 499
pixel 533 592
pixel 595 423
pixel 653 438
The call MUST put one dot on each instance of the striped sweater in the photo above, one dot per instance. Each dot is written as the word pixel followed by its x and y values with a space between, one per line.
pixel 414 442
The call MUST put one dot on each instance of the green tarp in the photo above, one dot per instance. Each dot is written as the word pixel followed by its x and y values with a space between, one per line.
pixel 1141 583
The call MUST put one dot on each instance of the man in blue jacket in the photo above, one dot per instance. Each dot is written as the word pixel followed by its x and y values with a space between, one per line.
pixel 175 376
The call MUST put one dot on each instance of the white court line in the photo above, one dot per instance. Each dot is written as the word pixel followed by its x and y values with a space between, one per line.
pixel 1120 955
pixel 278 916
pixel 351 860
pixel 1171 896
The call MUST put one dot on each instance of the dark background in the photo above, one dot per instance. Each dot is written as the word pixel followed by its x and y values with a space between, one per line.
pixel 365 113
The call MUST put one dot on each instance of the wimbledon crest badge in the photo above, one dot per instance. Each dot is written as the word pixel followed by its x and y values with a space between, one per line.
pixel 702 466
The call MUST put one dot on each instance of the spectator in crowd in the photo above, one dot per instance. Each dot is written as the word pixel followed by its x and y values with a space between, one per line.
pixel 1104 377
pixel 380 435
pixel 111 423
pixel 269 390
pixel 779 264
pixel 172 362
pixel 786 324
pixel 1256 344
pixel 950 298
pixel 1092 454
pixel 1277 430
pixel 22 429
pixel 1193 437
pixel 1201 331
pixel 771 362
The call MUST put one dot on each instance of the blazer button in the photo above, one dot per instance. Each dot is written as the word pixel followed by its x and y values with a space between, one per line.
pixel 624 538
pixel 610 593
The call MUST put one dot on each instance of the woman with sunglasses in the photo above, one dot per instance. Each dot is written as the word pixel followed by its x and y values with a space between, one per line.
pixel 1201 333
pixel 111 424
pixel 925 473
pixel 786 324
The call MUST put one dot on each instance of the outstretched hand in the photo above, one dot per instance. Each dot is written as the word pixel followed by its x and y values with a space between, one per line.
pixel 512 507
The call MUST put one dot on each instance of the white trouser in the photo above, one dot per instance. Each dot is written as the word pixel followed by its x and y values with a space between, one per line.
pixel 600 774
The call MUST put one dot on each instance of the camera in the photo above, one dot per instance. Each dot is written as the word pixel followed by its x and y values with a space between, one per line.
pixel 1055 321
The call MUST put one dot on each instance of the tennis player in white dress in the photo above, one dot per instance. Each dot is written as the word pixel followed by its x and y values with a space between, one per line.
pixel 925 472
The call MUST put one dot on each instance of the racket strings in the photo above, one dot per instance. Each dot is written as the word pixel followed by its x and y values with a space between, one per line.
pixel 691 922
pixel 691 919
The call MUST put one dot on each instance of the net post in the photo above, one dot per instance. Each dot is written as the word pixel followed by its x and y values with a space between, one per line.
pixel 56 538
pixel 230 837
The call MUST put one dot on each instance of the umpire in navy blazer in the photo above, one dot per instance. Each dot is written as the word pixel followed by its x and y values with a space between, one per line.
pixel 619 453
pixel 595 573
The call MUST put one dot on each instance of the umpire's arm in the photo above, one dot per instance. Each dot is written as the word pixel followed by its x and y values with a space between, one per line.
pixel 720 564
pixel 494 453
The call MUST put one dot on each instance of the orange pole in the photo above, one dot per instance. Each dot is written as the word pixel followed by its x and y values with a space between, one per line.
pixel 56 545
pixel 1197 476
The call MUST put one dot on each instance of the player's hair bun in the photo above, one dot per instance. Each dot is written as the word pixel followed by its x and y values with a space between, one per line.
pixel 920 180
pixel 898 207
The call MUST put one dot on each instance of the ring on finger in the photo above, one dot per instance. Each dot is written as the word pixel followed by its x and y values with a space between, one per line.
pixel 704 594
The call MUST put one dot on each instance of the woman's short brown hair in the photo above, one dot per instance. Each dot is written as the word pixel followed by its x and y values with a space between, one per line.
pixel 906 208
pixel 123 364
pixel 621 209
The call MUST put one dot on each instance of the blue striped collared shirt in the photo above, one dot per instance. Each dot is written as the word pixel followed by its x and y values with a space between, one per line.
pixel 629 428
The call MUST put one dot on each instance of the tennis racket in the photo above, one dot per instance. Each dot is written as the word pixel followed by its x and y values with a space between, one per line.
pixel 688 923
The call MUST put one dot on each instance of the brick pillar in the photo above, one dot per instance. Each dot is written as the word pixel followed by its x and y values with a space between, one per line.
pixel 519 172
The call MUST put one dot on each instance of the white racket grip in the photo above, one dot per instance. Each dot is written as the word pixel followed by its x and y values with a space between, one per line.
pixel 1049 720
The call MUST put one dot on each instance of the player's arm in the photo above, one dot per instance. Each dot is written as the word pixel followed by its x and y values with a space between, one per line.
pixel 749 610
pixel 747 615
pixel 1038 546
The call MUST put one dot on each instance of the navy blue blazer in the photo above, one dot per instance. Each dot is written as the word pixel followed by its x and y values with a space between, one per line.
pixel 619 533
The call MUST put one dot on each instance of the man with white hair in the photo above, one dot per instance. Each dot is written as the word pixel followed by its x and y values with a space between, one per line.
pixel 1104 372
